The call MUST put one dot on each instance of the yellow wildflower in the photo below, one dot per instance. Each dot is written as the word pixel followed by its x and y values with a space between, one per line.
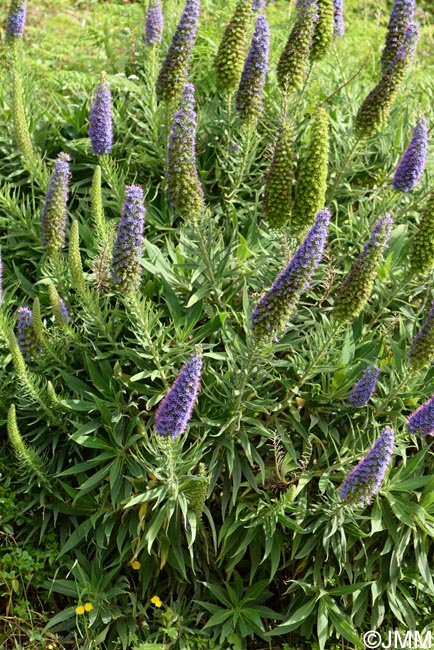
pixel 135 565
pixel 79 610
pixel 88 607
pixel 155 600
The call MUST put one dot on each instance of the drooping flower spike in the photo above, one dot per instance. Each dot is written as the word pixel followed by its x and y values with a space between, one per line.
pixel 54 213
pixel 421 422
pixel 412 163
pixel 175 411
pixel 364 481
pixel 101 121
pixel 273 310
pixel 365 387
pixel 128 247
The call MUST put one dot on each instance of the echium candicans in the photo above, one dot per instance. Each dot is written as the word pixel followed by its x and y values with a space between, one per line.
pixel 26 335
pixel 278 185
pixel 292 65
pixel 250 90
pixel 174 70
pixel 100 120
pixel 311 185
pixel 365 387
pixel 375 109
pixel 421 421
pixel 402 14
pixel 364 481
pixel 16 20
pixel 183 184
pixel 230 54
pixel 54 213
pixel 128 247
pixel 323 30
pixel 339 25
pixel 154 23
pixel 273 310
pixel 356 288
pixel 412 163
pixel 421 351
pixel 175 411
pixel 421 254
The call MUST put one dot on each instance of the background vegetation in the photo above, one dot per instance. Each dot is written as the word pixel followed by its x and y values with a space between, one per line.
pixel 275 560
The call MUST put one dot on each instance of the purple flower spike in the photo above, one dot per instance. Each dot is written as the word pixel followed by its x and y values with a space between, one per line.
pixel 128 248
pixel 273 310
pixel 339 27
pixel 364 481
pixel 54 213
pixel 100 121
pixel 365 387
pixel 174 412
pixel 422 420
pixel 26 334
pixel 16 20
pixel 412 163
pixel 250 90
pixel 258 5
pixel 402 14
pixel 154 23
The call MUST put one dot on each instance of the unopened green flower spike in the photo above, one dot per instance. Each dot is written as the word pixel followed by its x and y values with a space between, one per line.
pixel 25 454
pixel 278 186
pixel 323 30
pixel 422 248
pixel 229 61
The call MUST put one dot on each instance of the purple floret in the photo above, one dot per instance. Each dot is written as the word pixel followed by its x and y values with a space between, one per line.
pixel 174 412
pixel 16 20
pixel 412 163
pixel 421 422
pixel 100 121
pixel 128 247
pixel 154 23
pixel 364 481
pixel 365 387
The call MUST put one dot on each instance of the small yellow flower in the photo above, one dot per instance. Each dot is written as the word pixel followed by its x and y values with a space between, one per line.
pixel 135 565
pixel 155 600
pixel 79 610
pixel 88 607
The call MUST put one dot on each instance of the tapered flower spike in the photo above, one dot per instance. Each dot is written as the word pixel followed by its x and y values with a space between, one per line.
pixel 273 310
pixel 26 335
pixel 365 387
pixel 421 254
pixel 339 25
pixel 323 30
pixel 60 310
pixel 421 353
pixel 412 163
pixel 292 65
pixel 421 422
pixel 183 184
pixel 25 454
pixel 16 20
pixel 375 109
pixel 364 481
pixel 230 55
pixel 250 91
pixel 310 188
pixel 128 247
pixel 21 128
pixel 356 288
pixel 278 186
pixel 175 411
pixel 54 213
pixel 173 73
pixel 154 23
pixel 100 120
pixel 402 14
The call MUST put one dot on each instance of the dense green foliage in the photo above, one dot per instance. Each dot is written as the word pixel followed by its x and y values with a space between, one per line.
pixel 232 536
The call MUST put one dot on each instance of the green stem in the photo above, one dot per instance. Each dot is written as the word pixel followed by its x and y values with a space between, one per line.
pixel 243 165
pixel 208 265
pixel 313 362
pixel 245 376
pixel 351 149
pixel 394 393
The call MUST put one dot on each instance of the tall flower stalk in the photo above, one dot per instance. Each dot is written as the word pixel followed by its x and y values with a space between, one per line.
pixel 250 91
pixel 421 255
pixel 278 185
pixel 273 310
pixel 356 288
pixel 174 70
pixel 292 65
pixel 230 55
pixel 100 120
pixel 412 163
pixel 54 213
pixel 323 30
pixel 364 481
pixel 183 184
pixel 128 247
